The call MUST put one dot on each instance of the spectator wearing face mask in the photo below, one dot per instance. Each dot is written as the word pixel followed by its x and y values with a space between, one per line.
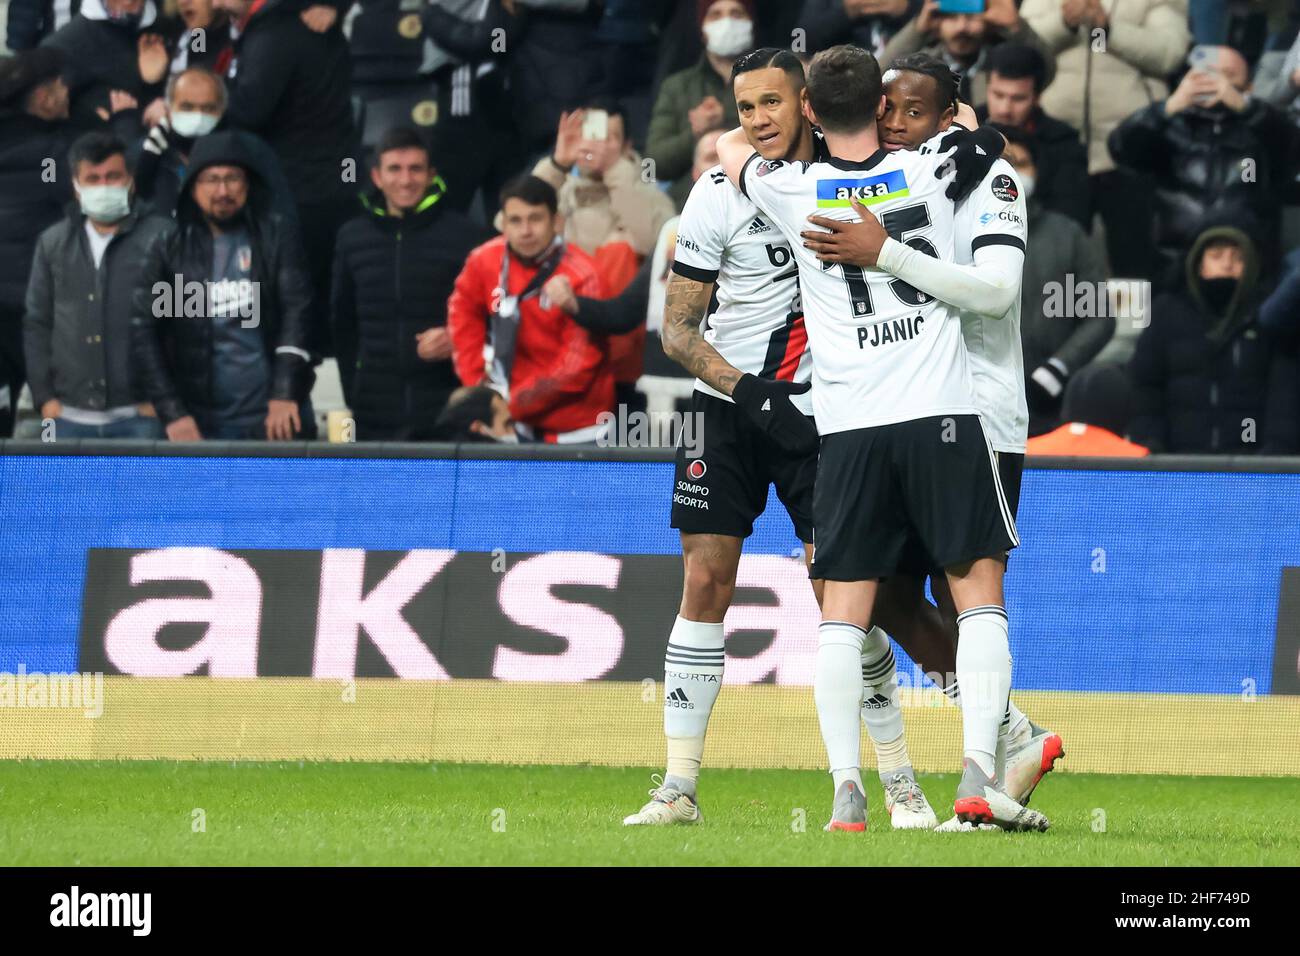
pixel 965 41
pixel 116 58
pixel 699 98
pixel 1059 256
pixel 1208 379
pixel 77 328
pixel 475 414
pixel 195 107
pixel 554 373
pixel 1210 149
pixel 33 193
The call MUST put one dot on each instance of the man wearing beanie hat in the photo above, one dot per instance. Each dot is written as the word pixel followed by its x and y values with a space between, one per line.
pixel 33 192
pixel 1208 378
pixel 699 98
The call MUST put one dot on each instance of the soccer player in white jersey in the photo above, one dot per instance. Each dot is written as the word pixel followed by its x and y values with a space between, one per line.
pixel 920 98
pixel 903 452
pixel 753 372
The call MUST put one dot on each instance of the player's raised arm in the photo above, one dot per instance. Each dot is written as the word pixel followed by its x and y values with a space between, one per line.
pixel 987 287
pixel 733 152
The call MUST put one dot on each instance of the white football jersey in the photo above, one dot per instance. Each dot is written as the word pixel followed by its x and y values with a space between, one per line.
pixel 883 352
pixel 995 213
pixel 758 323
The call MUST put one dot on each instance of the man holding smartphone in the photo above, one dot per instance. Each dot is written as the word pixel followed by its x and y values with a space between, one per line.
pixel 960 33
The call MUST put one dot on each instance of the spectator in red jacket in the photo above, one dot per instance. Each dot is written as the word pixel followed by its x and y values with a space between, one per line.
pixel 507 333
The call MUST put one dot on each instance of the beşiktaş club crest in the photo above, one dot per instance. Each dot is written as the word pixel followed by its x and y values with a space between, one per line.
pixel 245 259
pixel 696 469
pixel 1004 187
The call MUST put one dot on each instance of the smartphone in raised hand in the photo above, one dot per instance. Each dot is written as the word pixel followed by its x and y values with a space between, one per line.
pixel 595 125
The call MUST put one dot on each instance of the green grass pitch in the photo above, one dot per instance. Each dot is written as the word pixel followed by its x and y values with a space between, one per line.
pixel 65 813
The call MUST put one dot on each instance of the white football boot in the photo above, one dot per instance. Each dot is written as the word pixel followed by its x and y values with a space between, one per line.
pixel 666 807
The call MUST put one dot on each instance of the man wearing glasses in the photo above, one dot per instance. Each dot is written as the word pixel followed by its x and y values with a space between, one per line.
pixel 220 318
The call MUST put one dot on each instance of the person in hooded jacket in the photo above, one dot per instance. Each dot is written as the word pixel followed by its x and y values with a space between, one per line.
pixel 195 107
pixel 395 266
pixel 292 86
pixel 225 354
pixel 33 193
pixel 1208 379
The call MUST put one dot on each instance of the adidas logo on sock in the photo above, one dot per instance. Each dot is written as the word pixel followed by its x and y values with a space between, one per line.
pixel 678 699
pixel 876 703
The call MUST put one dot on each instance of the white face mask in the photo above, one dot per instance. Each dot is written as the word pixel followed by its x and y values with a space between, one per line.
pixel 729 36
pixel 1027 184
pixel 192 125
pixel 106 204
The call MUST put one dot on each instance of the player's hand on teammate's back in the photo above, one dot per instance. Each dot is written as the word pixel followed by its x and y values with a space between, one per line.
pixel 974 153
pixel 766 403
pixel 858 243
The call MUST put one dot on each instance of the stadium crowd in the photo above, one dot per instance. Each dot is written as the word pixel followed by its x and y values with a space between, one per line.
pixel 201 201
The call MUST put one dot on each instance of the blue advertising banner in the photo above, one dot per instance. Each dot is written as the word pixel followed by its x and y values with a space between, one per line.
pixel 1138 580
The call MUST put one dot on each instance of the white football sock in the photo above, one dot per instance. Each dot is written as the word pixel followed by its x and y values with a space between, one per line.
pixel 1019 726
pixel 837 689
pixel 692 679
pixel 984 673
pixel 881 711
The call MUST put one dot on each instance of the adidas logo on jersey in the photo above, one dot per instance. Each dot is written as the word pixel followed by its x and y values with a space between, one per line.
pixel 678 699
pixel 767 405
pixel 718 176
pixel 757 226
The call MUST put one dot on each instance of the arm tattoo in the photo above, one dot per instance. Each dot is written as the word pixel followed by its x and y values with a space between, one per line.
pixel 684 307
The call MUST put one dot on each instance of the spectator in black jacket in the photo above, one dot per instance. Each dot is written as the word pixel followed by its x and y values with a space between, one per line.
pixel 77 328
pixel 866 23
pixel 1017 75
pixel 292 86
pixel 225 355
pixel 195 107
pixel 204 36
pixel 474 105
pixel 34 188
pixel 28 22
pixel 1210 149
pixel 394 267
pixel 111 47
pixel 1059 333
pixel 1208 379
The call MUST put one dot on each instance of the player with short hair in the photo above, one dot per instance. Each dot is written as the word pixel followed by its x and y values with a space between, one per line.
pixel 920 101
pixel 903 452
pixel 753 372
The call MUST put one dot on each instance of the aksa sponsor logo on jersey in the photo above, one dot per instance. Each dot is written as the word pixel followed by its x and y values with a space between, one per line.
pixel 1004 187
pixel 1006 215
pixel 885 333
pixel 832 193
